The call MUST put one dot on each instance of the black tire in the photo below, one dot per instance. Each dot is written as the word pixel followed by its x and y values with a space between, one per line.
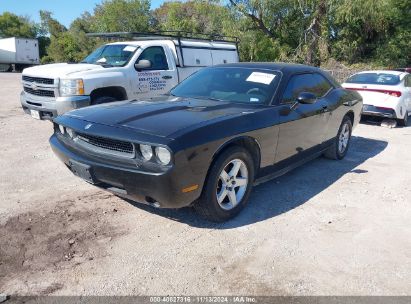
pixel 102 99
pixel 334 151
pixel 403 122
pixel 207 205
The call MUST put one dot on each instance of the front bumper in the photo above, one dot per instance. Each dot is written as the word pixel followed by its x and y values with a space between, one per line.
pixel 370 110
pixel 158 189
pixel 51 108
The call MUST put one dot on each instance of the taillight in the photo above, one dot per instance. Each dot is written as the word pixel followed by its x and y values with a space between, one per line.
pixel 394 93
pixel 389 92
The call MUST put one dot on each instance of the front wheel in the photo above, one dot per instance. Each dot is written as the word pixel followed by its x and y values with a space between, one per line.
pixel 339 148
pixel 228 185
pixel 404 122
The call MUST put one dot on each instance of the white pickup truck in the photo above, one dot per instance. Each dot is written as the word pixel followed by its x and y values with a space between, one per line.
pixel 141 68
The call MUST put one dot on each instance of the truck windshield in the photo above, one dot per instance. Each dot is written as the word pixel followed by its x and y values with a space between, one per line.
pixel 245 85
pixel 374 78
pixel 111 55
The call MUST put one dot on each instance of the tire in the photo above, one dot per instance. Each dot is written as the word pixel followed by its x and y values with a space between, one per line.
pixel 5 67
pixel 102 99
pixel 403 122
pixel 208 205
pixel 341 143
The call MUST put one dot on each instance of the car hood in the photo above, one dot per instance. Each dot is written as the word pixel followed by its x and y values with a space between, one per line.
pixel 161 117
pixel 59 70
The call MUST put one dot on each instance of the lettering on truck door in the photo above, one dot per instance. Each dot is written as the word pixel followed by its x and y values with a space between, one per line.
pixel 158 79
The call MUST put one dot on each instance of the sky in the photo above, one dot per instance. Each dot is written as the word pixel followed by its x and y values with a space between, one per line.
pixel 65 11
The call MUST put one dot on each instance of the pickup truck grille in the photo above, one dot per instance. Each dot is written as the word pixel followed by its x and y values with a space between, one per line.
pixel 45 93
pixel 108 144
pixel 38 80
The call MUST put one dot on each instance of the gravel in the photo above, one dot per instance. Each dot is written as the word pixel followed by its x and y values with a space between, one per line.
pixel 327 228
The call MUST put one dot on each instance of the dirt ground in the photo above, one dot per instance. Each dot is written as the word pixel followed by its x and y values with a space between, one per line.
pixel 327 228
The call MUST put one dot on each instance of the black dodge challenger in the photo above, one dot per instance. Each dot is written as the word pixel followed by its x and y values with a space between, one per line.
pixel 212 137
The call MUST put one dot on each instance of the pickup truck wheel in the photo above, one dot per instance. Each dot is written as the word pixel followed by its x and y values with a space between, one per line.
pixel 102 99
pixel 228 186
pixel 404 122
pixel 340 145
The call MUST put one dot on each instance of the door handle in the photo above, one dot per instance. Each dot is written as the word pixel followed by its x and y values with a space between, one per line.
pixel 167 77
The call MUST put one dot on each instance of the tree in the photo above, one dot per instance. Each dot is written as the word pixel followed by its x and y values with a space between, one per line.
pixel 12 25
pixel 122 16
pixel 51 25
pixel 78 28
pixel 194 16
pixel 298 27
pixel 63 46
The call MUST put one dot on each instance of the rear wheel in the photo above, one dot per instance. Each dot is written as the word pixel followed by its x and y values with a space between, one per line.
pixel 339 148
pixel 228 185
pixel 404 122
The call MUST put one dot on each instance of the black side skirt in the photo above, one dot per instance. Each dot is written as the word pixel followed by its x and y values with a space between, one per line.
pixel 285 166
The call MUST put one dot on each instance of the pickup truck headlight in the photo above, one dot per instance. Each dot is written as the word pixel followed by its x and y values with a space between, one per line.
pixel 70 87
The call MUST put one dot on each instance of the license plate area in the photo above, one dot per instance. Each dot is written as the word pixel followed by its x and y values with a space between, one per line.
pixel 81 170
pixel 35 114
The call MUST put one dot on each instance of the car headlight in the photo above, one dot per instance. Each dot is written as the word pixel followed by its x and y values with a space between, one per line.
pixel 70 132
pixel 163 155
pixel 70 87
pixel 146 151
pixel 62 129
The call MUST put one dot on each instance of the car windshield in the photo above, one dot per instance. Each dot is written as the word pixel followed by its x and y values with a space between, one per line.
pixel 374 78
pixel 230 84
pixel 111 55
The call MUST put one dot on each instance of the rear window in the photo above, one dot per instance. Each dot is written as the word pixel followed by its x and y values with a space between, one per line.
pixel 374 78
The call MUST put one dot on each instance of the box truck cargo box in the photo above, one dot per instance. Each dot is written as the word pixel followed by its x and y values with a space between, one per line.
pixel 18 53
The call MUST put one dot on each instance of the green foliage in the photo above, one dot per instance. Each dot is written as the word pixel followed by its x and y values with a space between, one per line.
pixel 12 25
pixel 355 32
pixel 121 16
pixel 193 16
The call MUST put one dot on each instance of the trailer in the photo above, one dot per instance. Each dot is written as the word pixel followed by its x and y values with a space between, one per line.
pixel 18 53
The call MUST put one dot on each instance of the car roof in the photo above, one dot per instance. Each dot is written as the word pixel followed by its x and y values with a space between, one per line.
pixel 401 74
pixel 275 66
pixel 383 71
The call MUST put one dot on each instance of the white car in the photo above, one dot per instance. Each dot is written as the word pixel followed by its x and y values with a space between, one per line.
pixel 384 93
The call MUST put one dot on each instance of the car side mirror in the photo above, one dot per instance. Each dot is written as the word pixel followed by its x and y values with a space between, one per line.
pixel 142 65
pixel 306 98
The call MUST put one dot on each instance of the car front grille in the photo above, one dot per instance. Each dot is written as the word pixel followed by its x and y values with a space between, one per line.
pixel 45 93
pixel 108 144
pixel 38 80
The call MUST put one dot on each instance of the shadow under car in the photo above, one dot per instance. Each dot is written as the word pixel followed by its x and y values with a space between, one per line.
pixel 286 192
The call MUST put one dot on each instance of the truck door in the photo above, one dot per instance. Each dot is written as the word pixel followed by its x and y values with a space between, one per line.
pixel 157 79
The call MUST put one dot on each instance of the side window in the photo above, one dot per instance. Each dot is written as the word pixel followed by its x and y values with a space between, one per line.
pixel 157 57
pixel 311 83
pixel 408 81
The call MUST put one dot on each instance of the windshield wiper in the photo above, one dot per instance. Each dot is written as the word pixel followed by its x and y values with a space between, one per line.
pixel 207 97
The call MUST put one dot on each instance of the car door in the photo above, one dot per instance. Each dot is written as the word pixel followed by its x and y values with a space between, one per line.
pixel 303 126
pixel 160 77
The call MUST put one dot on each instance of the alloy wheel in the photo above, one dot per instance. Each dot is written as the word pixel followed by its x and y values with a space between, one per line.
pixel 344 138
pixel 232 184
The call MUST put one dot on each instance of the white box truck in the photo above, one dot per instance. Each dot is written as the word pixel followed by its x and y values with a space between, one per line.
pixel 18 53
pixel 144 67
